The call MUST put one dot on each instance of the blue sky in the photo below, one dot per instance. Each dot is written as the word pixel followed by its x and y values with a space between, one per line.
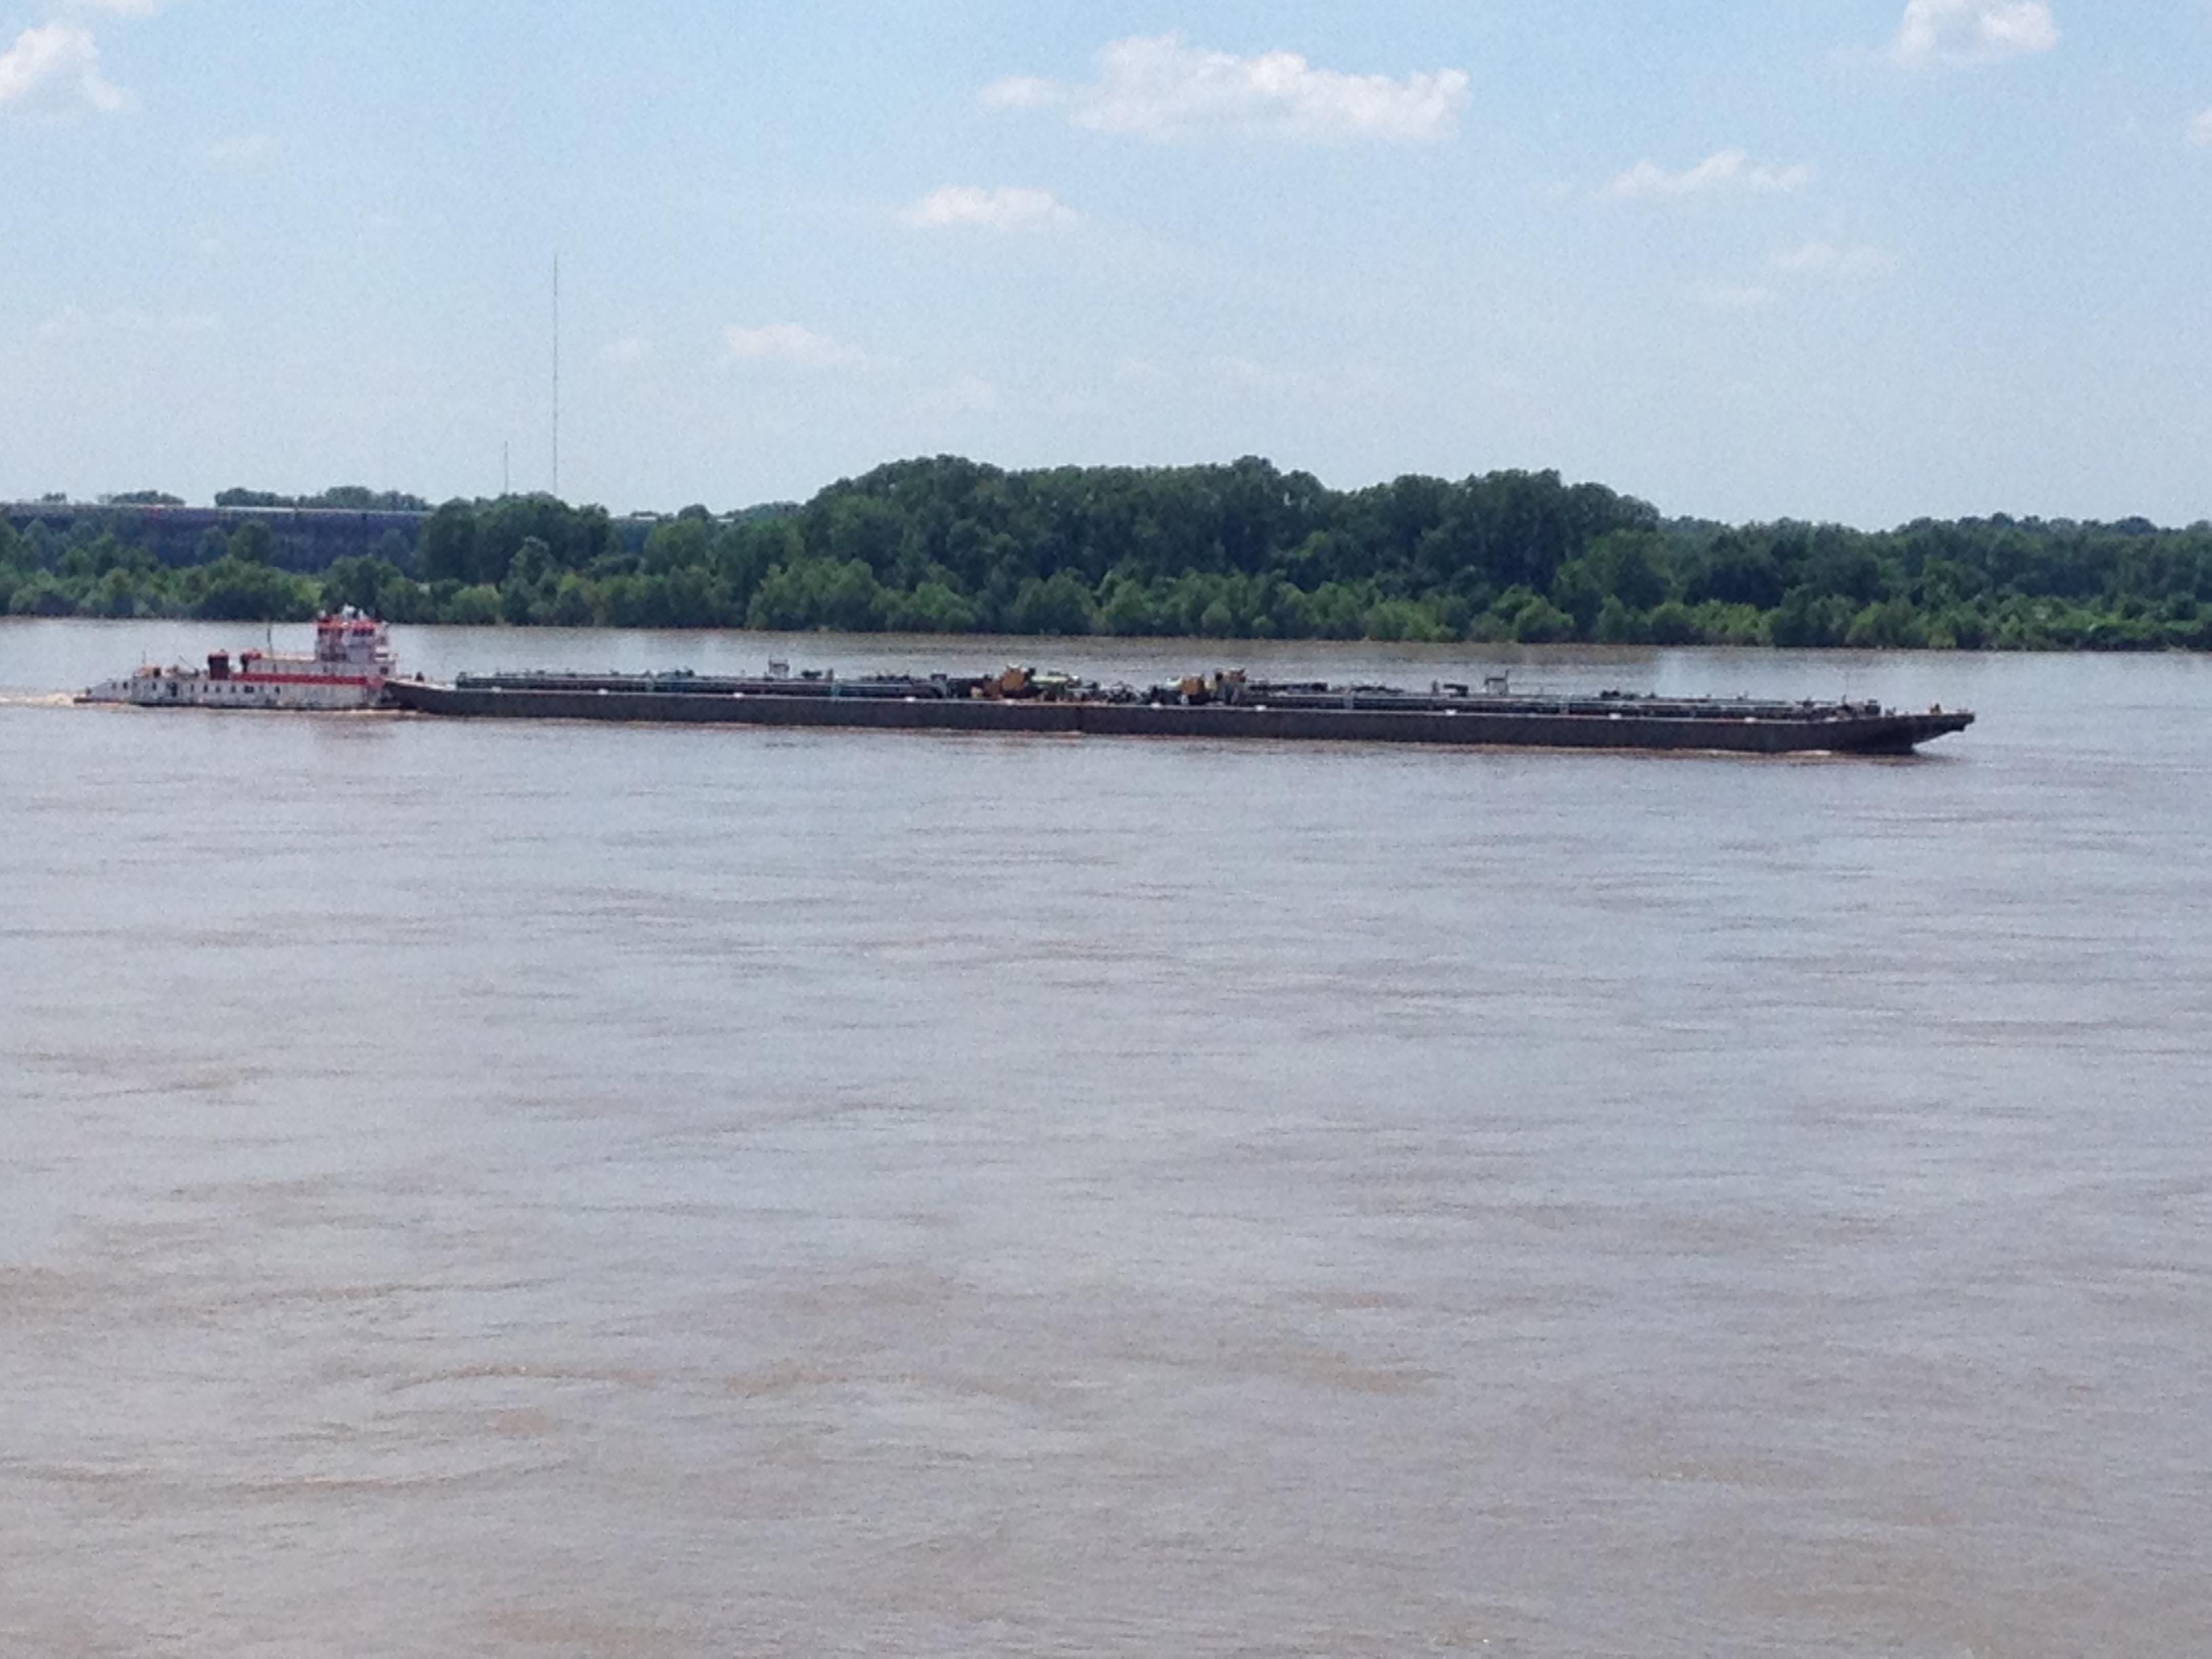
pixel 1850 259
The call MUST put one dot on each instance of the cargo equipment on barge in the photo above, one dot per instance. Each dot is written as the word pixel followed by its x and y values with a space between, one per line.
pixel 1227 705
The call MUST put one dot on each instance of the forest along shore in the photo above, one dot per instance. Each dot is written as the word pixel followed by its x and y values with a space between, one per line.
pixel 1237 551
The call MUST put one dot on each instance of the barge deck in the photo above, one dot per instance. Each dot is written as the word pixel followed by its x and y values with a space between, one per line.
pixel 1225 705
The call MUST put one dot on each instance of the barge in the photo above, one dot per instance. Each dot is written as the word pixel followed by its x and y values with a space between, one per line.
pixel 1222 706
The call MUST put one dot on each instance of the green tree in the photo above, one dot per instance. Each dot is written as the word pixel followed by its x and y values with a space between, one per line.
pixel 679 543
pixel 42 594
pixel 1892 624
pixel 1060 605
pixel 253 542
pixel 234 589
pixel 1807 617
pixel 931 608
pixel 448 544
pixel 472 606
pixel 1738 569
pixel 1673 624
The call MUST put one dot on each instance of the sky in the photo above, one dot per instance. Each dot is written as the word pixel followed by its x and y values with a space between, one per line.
pixel 1849 260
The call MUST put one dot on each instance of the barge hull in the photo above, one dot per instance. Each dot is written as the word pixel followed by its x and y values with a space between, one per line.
pixel 1884 734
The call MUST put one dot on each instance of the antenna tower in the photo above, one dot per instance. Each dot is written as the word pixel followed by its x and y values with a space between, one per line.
pixel 556 377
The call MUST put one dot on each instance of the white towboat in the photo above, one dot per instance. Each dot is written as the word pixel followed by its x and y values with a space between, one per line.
pixel 352 660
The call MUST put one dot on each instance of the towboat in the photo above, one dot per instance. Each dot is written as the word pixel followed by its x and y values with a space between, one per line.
pixel 351 662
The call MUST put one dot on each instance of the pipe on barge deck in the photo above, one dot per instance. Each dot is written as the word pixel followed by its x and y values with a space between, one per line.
pixel 1769 730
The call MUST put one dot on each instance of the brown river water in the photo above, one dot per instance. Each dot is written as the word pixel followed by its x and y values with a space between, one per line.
pixel 549 1190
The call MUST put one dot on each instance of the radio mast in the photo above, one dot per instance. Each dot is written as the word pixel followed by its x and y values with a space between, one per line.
pixel 556 377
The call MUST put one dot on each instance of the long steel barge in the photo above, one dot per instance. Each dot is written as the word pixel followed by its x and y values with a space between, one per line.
pixel 1221 706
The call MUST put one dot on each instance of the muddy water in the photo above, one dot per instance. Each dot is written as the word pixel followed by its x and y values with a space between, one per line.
pixel 547 1190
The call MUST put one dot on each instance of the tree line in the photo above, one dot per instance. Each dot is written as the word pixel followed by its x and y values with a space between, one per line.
pixel 1237 551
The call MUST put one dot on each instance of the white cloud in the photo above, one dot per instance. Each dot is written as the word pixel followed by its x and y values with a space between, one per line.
pixel 970 394
pixel 791 342
pixel 1155 87
pixel 1828 260
pixel 629 351
pixel 1010 209
pixel 176 322
pixel 1814 261
pixel 1973 30
pixel 56 68
pixel 75 322
pixel 239 149
pixel 2200 127
pixel 1024 92
pixel 1732 296
pixel 1729 169
pixel 69 319
pixel 1250 374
